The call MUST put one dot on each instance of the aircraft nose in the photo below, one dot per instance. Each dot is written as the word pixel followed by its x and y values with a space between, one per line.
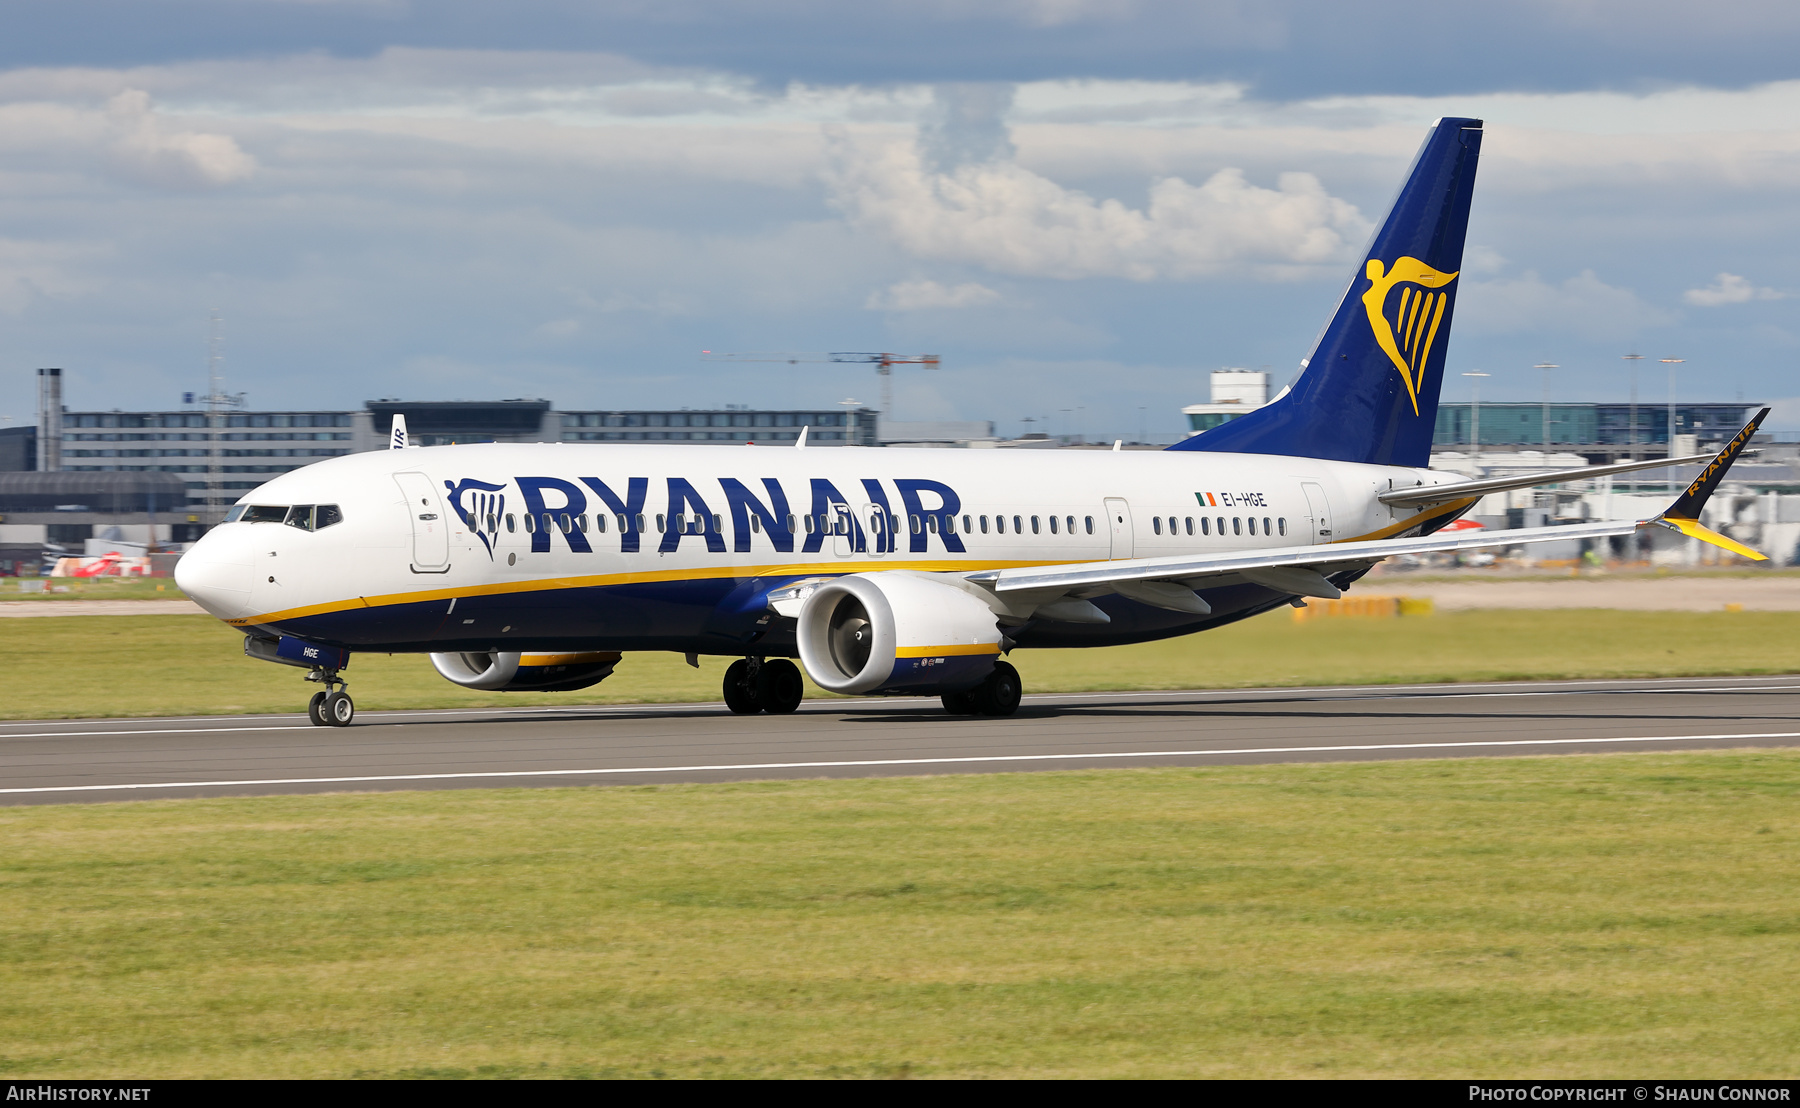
pixel 215 572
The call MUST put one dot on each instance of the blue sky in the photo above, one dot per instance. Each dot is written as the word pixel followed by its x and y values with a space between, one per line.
pixel 1082 206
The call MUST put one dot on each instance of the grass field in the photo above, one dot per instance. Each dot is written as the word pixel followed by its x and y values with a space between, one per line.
pixel 1548 917
pixel 92 588
pixel 191 665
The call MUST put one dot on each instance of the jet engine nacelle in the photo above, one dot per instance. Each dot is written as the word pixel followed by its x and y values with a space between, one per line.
pixel 519 672
pixel 896 632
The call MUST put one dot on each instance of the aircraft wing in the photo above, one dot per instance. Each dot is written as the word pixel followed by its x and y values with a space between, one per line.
pixel 1301 569
pixel 1437 494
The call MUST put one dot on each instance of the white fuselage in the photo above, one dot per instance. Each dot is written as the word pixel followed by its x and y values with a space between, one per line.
pixel 705 527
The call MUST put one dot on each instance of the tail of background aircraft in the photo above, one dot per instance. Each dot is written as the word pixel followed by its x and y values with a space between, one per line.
pixel 1369 390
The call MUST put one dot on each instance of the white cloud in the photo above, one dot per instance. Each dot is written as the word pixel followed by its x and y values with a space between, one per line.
pixel 913 296
pixel 1728 288
pixel 1582 305
pixel 1006 218
pixel 177 158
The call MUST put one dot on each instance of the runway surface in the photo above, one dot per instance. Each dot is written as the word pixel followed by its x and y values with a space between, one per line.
pixel 105 760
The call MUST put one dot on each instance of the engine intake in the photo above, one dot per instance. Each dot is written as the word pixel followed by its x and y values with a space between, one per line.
pixel 520 672
pixel 896 632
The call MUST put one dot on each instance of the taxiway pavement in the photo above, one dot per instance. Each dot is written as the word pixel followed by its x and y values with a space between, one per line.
pixel 90 760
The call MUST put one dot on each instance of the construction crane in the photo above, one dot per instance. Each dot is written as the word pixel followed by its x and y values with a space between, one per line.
pixel 884 365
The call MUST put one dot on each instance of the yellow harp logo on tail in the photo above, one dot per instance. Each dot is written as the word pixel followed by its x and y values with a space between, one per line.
pixel 1408 335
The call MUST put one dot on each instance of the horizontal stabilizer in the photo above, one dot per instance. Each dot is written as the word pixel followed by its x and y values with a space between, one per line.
pixel 1456 490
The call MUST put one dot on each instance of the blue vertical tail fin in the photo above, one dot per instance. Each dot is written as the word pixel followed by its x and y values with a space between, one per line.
pixel 1368 392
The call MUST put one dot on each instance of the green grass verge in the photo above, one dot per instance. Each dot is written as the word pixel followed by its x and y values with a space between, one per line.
pixel 1547 917
pixel 190 665
pixel 92 588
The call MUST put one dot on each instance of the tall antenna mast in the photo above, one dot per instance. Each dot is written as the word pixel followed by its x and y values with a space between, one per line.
pixel 217 400
pixel 215 414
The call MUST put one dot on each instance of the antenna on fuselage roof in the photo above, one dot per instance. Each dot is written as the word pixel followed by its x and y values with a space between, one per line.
pixel 397 439
pixel 800 443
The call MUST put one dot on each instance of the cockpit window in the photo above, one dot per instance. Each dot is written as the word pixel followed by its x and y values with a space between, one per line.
pixel 263 513
pixel 313 517
pixel 236 511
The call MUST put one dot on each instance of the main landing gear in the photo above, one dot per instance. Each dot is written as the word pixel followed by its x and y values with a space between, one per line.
pixel 771 685
pixel 333 707
pixel 997 695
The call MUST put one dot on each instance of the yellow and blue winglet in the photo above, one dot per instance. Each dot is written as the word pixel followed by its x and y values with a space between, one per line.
pixel 1684 514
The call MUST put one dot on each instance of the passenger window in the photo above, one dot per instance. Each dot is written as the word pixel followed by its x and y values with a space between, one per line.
pixel 1000 525
pixel 718 524
pixel 1090 525
pixel 755 524
pixel 1282 523
pixel 1237 525
pixel 531 525
pixel 1189 521
pixel 237 510
pixel 1252 524
pixel 966 527
pixel 1265 525
pixel 1205 526
pixel 510 523
pixel 263 513
pixel 581 523
pixel 492 525
pixel 1069 522
pixel 1221 526
pixel 1156 524
pixel 793 523
pixel 325 515
pixel 662 524
pixel 1034 525
pixel 984 525
pixel 1018 526
pixel 918 526
pixel 600 523
pixel 567 522
pixel 931 524
pixel 1053 525
pixel 640 523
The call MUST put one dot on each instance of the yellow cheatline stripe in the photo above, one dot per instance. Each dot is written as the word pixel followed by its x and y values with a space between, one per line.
pixel 541 584
pixel 1692 529
pixel 568 659
pixel 946 651
pixel 1413 521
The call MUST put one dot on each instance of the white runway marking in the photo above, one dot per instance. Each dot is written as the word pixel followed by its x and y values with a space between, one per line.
pixel 872 762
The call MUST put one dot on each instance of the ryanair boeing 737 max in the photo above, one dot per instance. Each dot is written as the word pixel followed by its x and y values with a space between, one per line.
pixel 534 567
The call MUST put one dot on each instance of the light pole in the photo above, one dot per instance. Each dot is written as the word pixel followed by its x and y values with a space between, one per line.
pixel 1546 367
pixel 1475 415
pixel 1634 359
pixel 1672 363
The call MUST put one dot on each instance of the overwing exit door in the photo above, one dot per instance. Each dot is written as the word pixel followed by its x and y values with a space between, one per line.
pixel 1118 522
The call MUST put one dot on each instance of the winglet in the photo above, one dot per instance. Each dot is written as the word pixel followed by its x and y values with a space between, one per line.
pixel 397 437
pixel 1684 514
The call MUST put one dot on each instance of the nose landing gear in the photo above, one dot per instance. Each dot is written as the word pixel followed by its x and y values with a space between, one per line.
pixel 771 685
pixel 333 707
